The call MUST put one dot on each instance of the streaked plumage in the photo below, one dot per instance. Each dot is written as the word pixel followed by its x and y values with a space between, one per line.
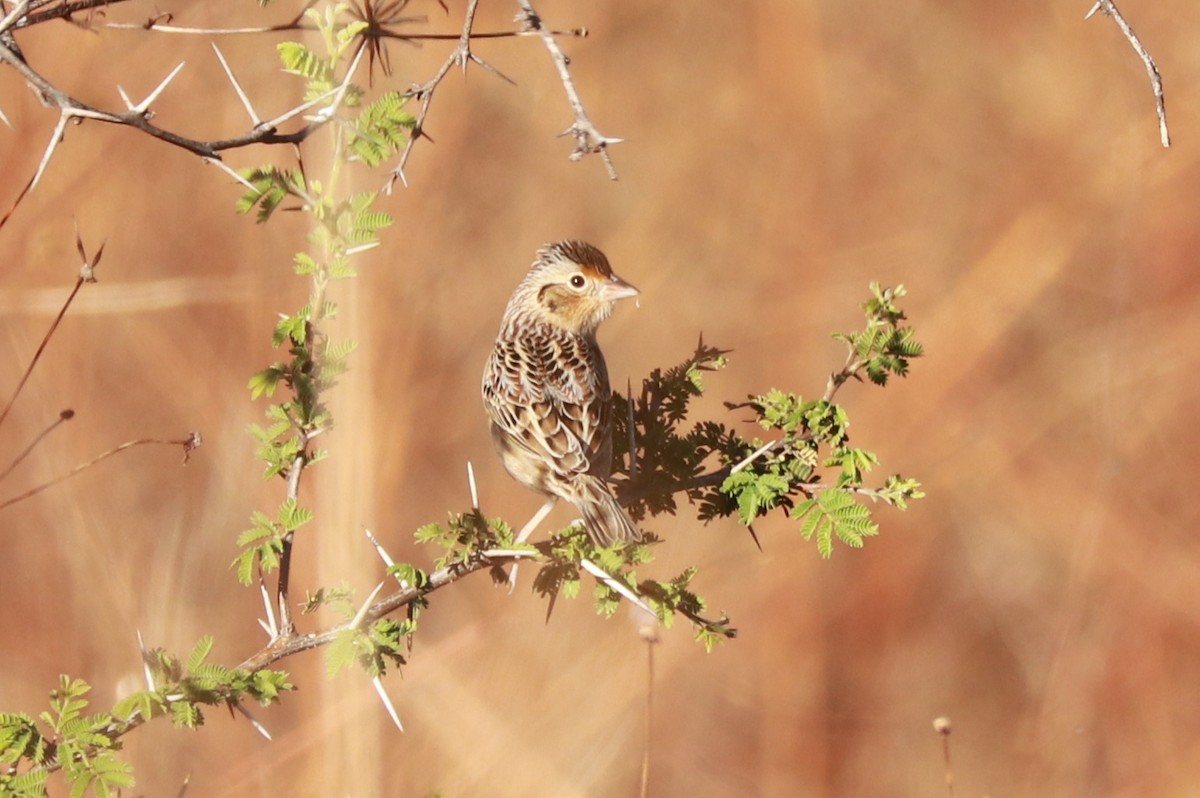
pixel 545 386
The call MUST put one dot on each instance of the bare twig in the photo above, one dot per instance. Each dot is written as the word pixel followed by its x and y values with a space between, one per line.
pixel 588 139
pixel 1110 9
pixel 943 728
pixel 65 10
pixel 87 274
pixel 189 443
pixel 649 633
pixel 460 56
pixel 63 417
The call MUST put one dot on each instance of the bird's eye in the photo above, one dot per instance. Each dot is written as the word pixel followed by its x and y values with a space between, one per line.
pixel 578 281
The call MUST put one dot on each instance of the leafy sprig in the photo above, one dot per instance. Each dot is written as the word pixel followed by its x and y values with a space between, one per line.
pixel 85 746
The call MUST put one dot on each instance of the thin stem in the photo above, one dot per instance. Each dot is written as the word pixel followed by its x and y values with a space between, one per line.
pixel 63 417
pixel 1156 85
pixel 588 139
pixel 42 347
pixel 189 443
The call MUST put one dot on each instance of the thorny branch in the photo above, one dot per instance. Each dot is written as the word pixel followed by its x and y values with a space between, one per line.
pixel 588 139
pixel 836 380
pixel 460 56
pixel 27 13
pixel 1110 9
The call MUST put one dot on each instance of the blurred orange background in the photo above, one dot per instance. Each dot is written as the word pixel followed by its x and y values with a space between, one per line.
pixel 1001 160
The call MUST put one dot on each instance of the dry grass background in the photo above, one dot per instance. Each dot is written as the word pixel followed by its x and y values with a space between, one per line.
pixel 1001 159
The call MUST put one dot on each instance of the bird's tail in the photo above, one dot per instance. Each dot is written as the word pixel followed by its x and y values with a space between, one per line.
pixel 604 519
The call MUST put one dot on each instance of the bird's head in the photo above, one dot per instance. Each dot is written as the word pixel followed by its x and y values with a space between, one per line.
pixel 572 286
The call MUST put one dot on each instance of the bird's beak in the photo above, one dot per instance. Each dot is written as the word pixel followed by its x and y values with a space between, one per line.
pixel 615 289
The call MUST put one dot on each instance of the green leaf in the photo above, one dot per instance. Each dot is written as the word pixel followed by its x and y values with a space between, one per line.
pixel 299 60
pixel 834 513
pixel 199 653
pixel 341 652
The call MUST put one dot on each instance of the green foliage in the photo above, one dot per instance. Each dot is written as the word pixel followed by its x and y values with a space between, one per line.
pixel 465 535
pixel 339 598
pixel 270 186
pixel 658 453
pixel 675 597
pixel 321 72
pixel 885 346
pixel 262 544
pixel 727 474
pixel 834 513
pixel 381 130
pixel 371 648
pixel 665 455
pixel 86 746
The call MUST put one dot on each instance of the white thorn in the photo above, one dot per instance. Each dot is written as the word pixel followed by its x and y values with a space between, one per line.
pixel 362 611
pixel 258 727
pixel 515 554
pixel 757 453
pixel 224 167
pixel 55 138
pixel 271 627
pixel 236 86
pixel 145 104
pixel 474 488
pixel 612 582
pixel 383 555
pixel 387 702
pixel 145 665
pixel 14 16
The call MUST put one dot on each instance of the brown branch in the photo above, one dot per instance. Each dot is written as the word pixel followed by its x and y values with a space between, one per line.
pixel 1160 106
pixel 41 348
pixel 287 645
pixel 87 274
pixel 460 56
pixel 588 139
pixel 63 417
pixel 189 443
pixel 138 116
pixel 64 11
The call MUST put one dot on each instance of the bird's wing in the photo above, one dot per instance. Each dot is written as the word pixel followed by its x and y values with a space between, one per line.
pixel 548 392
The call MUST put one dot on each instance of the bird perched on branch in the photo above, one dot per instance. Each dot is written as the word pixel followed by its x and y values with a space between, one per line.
pixel 546 387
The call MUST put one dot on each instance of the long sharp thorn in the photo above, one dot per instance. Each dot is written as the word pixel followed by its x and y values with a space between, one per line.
pixel 362 611
pixel 474 488
pixel 145 656
pixel 236 86
pixel 144 105
pixel 258 727
pixel 377 683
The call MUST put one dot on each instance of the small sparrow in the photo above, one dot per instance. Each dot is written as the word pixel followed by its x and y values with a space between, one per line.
pixel 546 388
